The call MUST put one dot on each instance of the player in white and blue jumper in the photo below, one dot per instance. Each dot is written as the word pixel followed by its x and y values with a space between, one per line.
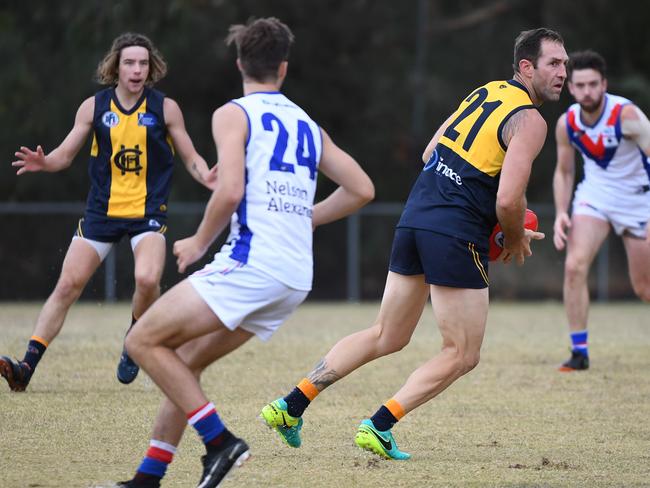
pixel 270 152
pixel 613 137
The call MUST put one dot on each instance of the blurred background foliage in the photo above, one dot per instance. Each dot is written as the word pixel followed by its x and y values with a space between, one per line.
pixel 378 75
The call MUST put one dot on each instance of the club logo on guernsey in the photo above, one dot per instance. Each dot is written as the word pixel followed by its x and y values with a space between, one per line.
pixel 110 119
pixel 432 161
pixel 442 169
pixel 128 160
pixel 609 137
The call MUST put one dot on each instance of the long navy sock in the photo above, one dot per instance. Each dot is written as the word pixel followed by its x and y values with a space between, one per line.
pixel 35 350
pixel 297 402
pixel 383 420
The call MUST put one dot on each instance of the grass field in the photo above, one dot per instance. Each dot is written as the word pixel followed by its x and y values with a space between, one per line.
pixel 512 422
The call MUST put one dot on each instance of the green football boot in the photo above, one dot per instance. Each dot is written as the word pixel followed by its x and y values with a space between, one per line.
pixel 379 442
pixel 276 417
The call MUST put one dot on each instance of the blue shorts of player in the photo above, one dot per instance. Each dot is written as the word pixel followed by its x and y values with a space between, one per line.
pixel 106 229
pixel 444 260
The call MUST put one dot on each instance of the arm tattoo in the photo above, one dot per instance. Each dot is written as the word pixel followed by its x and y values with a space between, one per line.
pixel 512 126
pixel 322 376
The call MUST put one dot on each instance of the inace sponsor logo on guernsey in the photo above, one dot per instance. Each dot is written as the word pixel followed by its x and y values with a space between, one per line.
pixel 442 169
pixel 284 196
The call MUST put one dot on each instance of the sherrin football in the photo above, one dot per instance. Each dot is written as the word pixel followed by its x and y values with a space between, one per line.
pixel 496 239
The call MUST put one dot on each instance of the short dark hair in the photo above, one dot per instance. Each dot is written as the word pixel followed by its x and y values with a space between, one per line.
pixel 262 45
pixel 106 73
pixel 528 45
pixel 586 60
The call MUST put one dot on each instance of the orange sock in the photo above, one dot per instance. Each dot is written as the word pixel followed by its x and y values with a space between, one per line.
pixel 387 415
pixel 308 389
pixel 395 408
pixel 39 339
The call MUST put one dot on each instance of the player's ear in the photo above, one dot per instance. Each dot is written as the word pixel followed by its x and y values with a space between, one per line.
pixel 526 67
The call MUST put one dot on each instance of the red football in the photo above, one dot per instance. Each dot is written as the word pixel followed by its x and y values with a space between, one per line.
pixel 496 239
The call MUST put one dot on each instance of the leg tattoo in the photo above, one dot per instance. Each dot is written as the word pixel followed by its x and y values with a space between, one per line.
pixel 323 376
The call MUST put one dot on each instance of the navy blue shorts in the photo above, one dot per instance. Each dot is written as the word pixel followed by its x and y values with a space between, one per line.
pixel 106 229
pixel 444 260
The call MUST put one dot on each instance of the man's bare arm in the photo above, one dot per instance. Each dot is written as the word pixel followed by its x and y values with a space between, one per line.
pixel 229 128
pixel 195 164
pixel 528 132
pixel 563 180
pixel 636 126
pixel 434 140
pixel 355 187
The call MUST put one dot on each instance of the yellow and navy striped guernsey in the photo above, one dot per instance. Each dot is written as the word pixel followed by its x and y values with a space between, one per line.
pixel 131 159
pixel 456 192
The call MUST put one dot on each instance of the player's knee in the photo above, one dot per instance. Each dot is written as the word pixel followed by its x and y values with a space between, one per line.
pixel 134 344
pixel 146 283
pixel 68 288
pixel 388 343
pixel 470 361
pixel 575 268
pixel 461 361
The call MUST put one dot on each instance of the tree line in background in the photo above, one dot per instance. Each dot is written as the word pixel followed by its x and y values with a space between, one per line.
pixel 379 76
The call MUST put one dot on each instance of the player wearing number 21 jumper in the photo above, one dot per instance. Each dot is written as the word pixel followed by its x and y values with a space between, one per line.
pixel 476 170
pixel 270 152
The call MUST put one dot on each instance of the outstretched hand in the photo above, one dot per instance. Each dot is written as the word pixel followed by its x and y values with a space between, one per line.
pixel 521 250
pixel 560 228
pixel 28 160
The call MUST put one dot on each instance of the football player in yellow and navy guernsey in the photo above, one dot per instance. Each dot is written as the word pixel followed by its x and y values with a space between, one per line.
pixel 136 130
pixel 476 170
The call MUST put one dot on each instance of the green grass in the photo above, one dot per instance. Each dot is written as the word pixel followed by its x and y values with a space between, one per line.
pixel 512 422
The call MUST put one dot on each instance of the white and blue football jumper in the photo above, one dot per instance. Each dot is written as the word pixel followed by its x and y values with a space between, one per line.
pixel 616 184
pixel 272 227
pixel 612 163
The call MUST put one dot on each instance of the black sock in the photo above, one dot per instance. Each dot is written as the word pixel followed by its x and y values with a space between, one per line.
pixel 34 353
pixel 145 479
pixel 383 419
pixel 297 402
